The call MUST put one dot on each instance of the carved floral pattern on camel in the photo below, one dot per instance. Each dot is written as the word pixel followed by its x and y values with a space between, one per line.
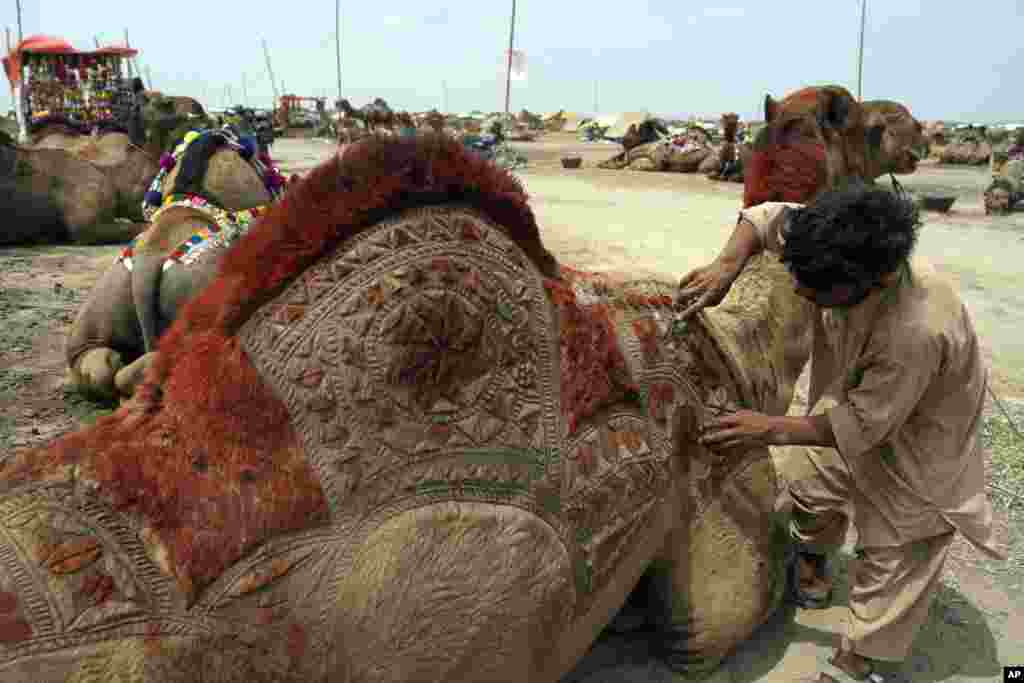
pixel 429 361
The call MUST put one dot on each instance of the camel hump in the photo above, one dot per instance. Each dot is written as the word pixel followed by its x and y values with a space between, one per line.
pixel 418 362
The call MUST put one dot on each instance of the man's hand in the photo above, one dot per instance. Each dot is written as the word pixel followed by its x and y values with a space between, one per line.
pixel 706 286
pixel 748 429
pixel 742 429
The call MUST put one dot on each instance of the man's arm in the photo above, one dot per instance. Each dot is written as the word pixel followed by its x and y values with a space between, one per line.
pixel 707 286
pixel 812 430
pixel 757 229
pixel 744 242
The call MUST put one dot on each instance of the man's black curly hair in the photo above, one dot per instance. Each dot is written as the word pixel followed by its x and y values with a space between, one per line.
pixel 851 235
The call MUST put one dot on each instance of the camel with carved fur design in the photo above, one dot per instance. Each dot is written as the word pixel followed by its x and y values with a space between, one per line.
pixel 395 440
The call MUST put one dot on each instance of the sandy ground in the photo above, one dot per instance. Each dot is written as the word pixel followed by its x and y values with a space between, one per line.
pixel 650 224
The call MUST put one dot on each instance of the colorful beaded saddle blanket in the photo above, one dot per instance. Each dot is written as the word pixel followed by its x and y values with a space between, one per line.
pixel 226 227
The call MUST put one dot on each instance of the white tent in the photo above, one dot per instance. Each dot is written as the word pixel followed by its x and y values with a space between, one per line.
pixel 623 121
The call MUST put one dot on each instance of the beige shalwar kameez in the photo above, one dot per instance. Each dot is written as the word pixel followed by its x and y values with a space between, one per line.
pixel 901 378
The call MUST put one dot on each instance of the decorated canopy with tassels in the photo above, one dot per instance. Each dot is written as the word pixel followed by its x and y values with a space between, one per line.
pixel 54 82
pixel 50 45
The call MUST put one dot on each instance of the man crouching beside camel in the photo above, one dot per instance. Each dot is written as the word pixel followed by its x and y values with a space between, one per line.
pixel 896 396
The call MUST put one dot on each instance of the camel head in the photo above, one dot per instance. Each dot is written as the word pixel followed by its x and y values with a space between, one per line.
pixel 349 112
pixel 435 120
pixel 812 139
pixel 642 133
pixel 903 142
pixel 220 172
pixel 162 124
pixel 730 124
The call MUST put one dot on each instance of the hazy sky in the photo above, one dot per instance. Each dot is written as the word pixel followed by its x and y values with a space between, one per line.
pixel 667 56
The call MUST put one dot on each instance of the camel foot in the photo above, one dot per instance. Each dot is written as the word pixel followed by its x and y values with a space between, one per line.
pixel 130 376
pixel 93 373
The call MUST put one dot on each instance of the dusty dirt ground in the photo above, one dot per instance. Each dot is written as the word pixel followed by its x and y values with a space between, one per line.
pixel 650 224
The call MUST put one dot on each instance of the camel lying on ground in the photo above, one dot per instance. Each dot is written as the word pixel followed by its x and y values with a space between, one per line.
pixel 395 440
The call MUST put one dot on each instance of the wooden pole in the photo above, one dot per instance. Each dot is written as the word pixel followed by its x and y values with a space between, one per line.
pixel 270 70
pixel 7 42
pixel 131 72
pixel 860 50
pixel 337 41
pixel 508 73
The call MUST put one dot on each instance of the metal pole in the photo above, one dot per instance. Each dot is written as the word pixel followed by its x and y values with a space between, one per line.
pixel 860 51
pixel 19 22
pixel 508 73
pixel 337 40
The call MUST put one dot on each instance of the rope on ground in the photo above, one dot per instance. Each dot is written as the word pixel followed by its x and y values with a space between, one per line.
pixel 1006 492
pixel 41 307
pixel 1013 427
pixel 1006 414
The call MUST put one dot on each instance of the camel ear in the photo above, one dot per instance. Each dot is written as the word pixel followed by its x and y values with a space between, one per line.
pixel 771 109
pixel 835 109
pixel 874 135
pixel 874 129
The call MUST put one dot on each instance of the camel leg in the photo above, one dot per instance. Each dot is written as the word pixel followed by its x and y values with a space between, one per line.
pixel 131 375
pixel 721 574
pixel 105 327
pixel 93 372
pixel 489 587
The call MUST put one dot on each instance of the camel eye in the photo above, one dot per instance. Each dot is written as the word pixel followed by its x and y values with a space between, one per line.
pixel 792 131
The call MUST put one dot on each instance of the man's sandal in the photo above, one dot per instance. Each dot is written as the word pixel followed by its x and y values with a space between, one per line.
pixel 810 596
pixel 830 673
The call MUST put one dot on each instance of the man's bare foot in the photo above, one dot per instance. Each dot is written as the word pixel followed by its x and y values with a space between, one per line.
pixel 812 585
